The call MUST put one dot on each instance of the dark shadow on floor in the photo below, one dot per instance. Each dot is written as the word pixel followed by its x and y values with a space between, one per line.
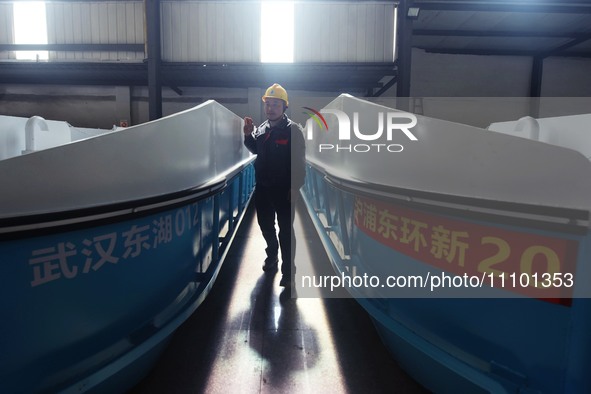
pixel 277 335
pixel 187 362
pixel 367 365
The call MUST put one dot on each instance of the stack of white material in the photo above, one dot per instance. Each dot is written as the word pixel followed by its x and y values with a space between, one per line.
pixel 573 132
pixel 19 136
pixel 169 155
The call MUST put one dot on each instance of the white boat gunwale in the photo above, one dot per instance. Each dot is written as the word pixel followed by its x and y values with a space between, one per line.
pixel 539 217
pixel 48 223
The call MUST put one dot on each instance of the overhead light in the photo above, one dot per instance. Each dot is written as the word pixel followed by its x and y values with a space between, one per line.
pixel 413 13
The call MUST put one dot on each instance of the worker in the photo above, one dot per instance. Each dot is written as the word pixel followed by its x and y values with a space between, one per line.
pixel 279 172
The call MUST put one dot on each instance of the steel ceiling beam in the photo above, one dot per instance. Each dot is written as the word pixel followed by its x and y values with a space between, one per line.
pixel 560 50
pixel 506 6
pixel 386 86
pixel 499 52
pixel 577 39
pixel 496 33
pixel 65 1
pixel 74 47
pixel 306 76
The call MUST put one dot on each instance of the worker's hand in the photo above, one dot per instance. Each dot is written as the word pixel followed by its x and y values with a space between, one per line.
pixel 248 126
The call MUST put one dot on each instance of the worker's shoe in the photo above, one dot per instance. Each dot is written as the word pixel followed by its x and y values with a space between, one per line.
pixel 287 295
pixel 286 282
pixel 270 264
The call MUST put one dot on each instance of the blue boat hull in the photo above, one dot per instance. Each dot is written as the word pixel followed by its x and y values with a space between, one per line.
pixel 516 342
pixel 89 302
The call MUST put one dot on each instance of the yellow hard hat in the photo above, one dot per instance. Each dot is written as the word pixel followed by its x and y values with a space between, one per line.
pixel 276 91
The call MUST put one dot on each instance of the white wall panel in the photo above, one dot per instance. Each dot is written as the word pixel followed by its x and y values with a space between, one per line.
pixel 88 22
pixel 217 31
pixel 210 31
pixel 6 29
pixel 344 32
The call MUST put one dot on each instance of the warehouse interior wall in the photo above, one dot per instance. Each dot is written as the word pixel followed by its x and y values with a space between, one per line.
pixel 475 90
pixel 479 90
pixel 106 106
pixel 566 77
pixel 444 75
pixel 216 31
pixel 471 89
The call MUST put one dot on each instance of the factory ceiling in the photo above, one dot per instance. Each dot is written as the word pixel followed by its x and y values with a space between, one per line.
pixel 537 29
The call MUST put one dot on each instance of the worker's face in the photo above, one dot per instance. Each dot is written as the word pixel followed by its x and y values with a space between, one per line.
pixel 274 108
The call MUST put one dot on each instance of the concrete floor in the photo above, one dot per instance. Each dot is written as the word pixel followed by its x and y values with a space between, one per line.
pixel 250 336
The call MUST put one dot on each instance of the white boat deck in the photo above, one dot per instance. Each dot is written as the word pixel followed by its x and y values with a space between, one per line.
pixel 169 155
pixel 456 160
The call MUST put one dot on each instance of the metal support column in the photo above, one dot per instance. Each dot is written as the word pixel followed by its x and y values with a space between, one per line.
pixel 404 35
pixel 535 87
pixel 152 10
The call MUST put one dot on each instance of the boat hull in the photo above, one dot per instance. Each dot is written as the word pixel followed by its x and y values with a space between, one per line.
pixel 468 248
pixel 502 340
pixel 91 300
